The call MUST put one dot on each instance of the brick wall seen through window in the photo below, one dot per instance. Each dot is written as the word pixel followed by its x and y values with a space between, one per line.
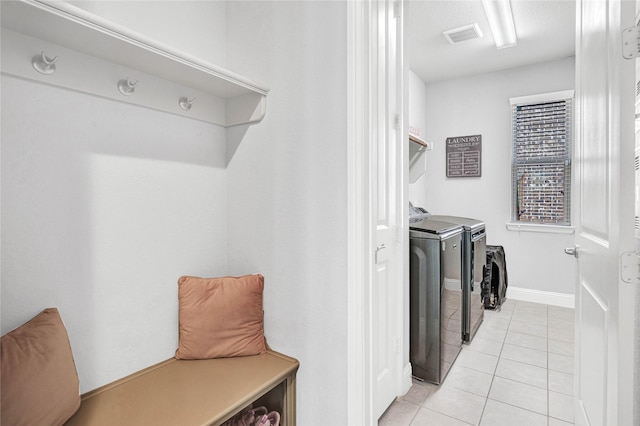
pixel 541 159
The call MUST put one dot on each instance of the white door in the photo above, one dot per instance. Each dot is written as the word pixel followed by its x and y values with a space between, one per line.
pixel 604 207
pixel 386 285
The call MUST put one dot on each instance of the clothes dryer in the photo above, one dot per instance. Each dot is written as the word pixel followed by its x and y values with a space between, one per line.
pixel 474 260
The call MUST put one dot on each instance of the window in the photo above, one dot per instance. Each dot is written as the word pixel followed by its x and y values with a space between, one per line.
pixel 541 159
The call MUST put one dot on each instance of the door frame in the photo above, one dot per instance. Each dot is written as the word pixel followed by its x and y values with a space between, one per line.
pixel 361 128
pixel 359 221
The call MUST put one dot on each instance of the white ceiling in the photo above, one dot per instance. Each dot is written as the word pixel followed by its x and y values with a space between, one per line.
pixel 545 30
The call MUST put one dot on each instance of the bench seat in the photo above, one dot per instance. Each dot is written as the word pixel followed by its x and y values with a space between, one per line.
pixel 193 392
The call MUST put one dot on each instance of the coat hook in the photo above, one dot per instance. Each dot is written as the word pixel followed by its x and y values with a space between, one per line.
pixel 44 65
pixel 126 87
pixel 185 103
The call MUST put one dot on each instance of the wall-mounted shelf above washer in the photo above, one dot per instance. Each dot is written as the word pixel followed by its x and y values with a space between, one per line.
pixel 94 52
pixel 417 159
pixel 417 139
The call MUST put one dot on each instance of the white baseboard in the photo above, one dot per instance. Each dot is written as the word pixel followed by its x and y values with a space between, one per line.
pixel 537 296
pixel 407 382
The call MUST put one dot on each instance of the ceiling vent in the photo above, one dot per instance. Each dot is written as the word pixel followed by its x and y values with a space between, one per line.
pixel 458 35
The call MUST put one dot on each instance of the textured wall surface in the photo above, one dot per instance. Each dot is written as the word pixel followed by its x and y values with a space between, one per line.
pixel 104 206
pixel 287 201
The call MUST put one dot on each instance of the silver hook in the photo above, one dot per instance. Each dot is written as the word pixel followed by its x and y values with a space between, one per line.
pixel 185 103
pixel 126 87
pixel 44 65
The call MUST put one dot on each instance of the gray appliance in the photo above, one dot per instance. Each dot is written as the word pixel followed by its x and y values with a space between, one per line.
pixel 474 260
pixel 435 298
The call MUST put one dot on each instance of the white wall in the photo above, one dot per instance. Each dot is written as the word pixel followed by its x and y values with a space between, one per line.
pixel 480 105
pixel 197 28
pixel 104 206
pixel 287 198
pixel 417 127
pixel 417 105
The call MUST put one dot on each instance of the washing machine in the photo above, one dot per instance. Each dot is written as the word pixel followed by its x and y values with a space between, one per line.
pixel 435 298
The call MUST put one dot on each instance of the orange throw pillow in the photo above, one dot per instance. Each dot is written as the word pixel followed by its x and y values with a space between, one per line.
pixel 40 384
pixel 220 317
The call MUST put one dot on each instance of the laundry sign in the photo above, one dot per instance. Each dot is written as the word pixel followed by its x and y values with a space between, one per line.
pixel 464 156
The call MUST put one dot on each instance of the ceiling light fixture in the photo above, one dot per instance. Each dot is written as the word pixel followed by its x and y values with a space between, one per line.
pixel 501 22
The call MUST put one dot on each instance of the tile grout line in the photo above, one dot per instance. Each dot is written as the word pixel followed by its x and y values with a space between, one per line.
pixel 488 392
pixel 520 408
pixel 493 376
pixel 418 410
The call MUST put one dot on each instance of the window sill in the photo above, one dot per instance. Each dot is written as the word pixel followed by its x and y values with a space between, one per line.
pixel 534 227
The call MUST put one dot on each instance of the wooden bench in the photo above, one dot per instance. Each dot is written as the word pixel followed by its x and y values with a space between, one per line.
pixel 194 392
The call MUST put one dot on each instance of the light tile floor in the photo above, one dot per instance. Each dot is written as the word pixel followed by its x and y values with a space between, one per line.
pixel 518 370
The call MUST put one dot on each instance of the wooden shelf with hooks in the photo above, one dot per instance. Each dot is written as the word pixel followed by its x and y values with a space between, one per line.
pixel 92 49
pixel 417 159
pixel 417 139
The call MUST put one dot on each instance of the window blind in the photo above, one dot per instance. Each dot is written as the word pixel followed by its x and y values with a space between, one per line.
pixel 541 162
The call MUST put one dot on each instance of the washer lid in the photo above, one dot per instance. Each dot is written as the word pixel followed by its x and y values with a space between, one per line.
pixel 435 227
pixel 469 224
